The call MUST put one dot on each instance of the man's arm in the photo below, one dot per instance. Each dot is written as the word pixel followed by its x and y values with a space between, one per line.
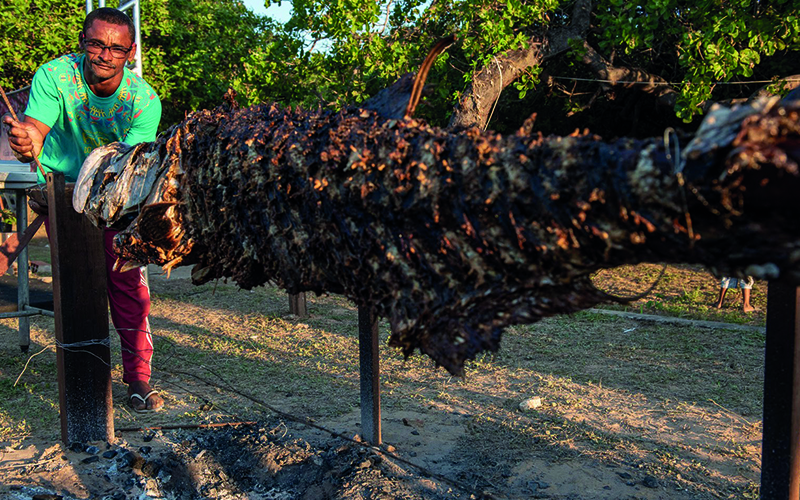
pixel 26 138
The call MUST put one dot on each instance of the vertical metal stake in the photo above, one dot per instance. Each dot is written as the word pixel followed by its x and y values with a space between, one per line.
pixel 23 287
pixel 370 376
pixel 81 316
pixel 780 451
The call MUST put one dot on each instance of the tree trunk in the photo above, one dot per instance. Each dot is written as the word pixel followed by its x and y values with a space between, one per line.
pixel 451 237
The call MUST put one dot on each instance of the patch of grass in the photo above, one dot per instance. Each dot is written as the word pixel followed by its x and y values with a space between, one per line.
pixel 661 359
pixel 686 291
pixel 30 406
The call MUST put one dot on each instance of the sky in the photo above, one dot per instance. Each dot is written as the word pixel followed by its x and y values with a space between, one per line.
pixel 278 12
pixel 282 13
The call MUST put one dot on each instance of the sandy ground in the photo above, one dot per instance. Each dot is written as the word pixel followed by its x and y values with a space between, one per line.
pixel 273 459
pixel 427 452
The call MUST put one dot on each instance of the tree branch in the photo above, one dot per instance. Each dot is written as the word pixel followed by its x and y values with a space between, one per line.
pixel 665 95
pixel 622 76
pixel 488 83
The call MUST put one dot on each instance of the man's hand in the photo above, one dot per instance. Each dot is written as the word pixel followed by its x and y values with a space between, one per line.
pixel 37 208
pixel 25 138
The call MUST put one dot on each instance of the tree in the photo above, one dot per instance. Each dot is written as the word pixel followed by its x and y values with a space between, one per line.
pixel 32 33
pixel 534 45
pixel 196 50
pixel 512 57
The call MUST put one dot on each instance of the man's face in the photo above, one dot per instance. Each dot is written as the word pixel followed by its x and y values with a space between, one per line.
pixel 100 42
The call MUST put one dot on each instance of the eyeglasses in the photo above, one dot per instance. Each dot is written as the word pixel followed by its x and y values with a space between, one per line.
pixel 95 47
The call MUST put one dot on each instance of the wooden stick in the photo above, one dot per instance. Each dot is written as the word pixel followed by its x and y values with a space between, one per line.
pixel 14 115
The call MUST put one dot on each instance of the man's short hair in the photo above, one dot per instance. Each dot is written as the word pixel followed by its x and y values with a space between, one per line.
pixel 112 16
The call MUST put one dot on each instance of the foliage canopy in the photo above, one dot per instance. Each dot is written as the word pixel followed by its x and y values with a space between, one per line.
pixel 547 54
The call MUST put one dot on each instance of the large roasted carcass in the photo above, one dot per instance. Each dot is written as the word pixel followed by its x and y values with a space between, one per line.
pixel 451 235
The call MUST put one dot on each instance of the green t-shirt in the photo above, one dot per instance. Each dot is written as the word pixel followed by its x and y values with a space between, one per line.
pixel 80 121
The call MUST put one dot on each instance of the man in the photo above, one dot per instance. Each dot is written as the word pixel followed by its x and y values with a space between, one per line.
pixel 79 102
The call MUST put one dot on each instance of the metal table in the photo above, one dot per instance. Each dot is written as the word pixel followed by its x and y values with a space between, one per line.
pixel 17 178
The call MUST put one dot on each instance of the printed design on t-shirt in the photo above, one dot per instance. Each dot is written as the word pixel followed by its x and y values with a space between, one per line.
pixel 100 120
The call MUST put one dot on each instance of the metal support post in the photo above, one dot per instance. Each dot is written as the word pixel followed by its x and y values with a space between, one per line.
pixel 23 287
pixel 81 320
pixel 370 376
pixel 780 449
pixel 136 16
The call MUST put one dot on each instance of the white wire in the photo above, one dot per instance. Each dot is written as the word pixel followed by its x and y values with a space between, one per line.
pixel 85 343
pixel 670 83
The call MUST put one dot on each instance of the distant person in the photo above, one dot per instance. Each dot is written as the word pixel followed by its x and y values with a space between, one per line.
pixel 79 102
pixel 746 284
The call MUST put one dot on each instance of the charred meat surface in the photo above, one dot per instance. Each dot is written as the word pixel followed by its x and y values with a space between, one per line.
pixel 453 235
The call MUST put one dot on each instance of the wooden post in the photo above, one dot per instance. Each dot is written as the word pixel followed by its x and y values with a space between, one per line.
pixel 81 319
pixel 297 304
pixel 780 448
pixel 370 376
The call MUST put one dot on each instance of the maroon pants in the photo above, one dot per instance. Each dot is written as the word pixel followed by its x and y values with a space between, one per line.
pixel 129 301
